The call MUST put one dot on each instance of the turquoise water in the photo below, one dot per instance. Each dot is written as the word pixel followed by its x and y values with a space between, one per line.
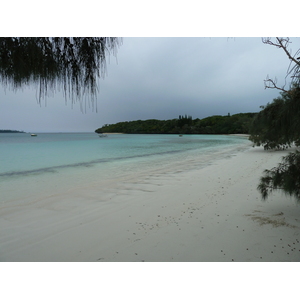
pixel 54 161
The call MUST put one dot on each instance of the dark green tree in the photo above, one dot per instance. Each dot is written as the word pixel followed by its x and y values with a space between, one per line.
pixel 285 177
pixel 73 63
pixel 277 126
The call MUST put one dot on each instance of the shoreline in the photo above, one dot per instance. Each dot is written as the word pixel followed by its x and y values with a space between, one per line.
pixel 113 133
pixel 211 214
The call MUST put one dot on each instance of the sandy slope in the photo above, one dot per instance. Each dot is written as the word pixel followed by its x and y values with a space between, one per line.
pixel 210 214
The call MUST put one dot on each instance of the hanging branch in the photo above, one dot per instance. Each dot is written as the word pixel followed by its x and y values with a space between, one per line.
pixel 72 63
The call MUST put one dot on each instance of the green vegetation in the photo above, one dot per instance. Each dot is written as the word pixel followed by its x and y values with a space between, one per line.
pixel 10 131
pixel 277 126
pixel 285 176
pixel 73 63
pixel 239 123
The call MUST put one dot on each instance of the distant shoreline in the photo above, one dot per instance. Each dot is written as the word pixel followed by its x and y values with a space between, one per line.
pixel 240 134
pixel 113 133
pixel 237 123
pixel 11 131
pixel 234 134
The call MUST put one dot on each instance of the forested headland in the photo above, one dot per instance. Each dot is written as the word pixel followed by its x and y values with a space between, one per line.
pixel 10 131
pixel 235 124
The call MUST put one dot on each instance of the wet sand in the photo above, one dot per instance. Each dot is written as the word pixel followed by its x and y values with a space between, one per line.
pixel 213 214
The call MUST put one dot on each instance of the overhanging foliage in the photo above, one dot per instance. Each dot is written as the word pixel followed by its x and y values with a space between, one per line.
pixel 277 125
pixel 71 62
pixel 285 177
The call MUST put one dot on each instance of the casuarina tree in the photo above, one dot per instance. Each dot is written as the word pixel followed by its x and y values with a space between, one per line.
pixel 70 63
pixel 277 126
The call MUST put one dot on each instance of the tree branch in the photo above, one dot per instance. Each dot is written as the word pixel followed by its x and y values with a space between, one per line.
pixel 284 47
pixel 294 70
pixel 271 84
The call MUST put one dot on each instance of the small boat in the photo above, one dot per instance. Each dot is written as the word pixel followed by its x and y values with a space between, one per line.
pixel 102 135
pixel 33 134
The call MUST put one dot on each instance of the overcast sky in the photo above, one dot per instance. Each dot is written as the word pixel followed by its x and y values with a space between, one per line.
pixel 160 78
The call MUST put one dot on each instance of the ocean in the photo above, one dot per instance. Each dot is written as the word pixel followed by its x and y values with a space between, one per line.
pixel 52 163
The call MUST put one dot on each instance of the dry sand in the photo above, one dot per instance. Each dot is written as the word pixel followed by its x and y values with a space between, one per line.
pixel 212 214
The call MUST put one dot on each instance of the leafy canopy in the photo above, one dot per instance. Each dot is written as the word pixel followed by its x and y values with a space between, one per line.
pixel 238 123
pixel 278 126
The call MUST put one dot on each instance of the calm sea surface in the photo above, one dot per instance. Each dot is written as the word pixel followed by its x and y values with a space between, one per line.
pixel 55 161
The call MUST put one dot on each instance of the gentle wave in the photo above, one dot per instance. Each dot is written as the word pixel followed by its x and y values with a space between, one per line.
pixel 36 171
pixel 55 152
pixel 54 169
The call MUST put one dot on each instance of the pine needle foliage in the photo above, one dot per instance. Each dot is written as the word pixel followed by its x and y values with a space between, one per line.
pixel 285 177
pixel 73 63
pixel 277 125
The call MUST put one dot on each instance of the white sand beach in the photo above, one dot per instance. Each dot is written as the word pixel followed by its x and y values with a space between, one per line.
pixel 213 214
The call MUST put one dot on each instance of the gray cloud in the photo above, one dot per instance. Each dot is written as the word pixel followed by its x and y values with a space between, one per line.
pixel 160 78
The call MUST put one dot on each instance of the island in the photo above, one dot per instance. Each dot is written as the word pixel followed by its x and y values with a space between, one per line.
pixel 10 131
pixel 229 124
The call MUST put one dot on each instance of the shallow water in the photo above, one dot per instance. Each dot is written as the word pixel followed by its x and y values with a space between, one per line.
pixel 54 162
